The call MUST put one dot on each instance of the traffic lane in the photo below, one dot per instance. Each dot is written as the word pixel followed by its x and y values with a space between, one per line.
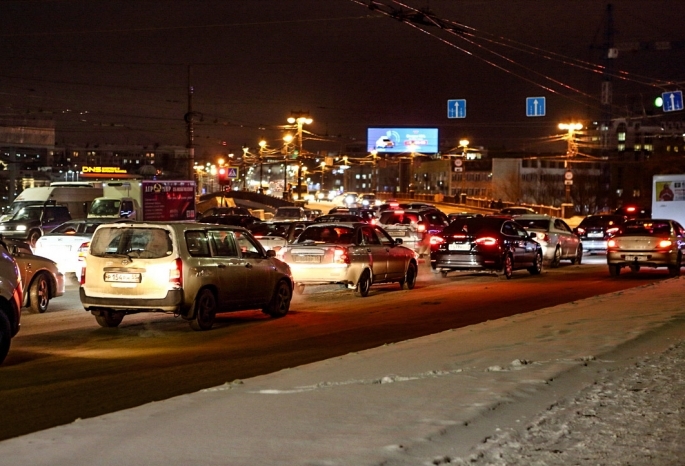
pixel 63 366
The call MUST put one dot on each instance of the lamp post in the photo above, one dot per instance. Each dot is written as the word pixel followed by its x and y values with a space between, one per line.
pixel 288 138
pixel 262 145
pixel 571 151
pixel 300 119
pixel 323 172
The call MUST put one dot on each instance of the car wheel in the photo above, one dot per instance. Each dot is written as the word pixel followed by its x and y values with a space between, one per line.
pixel 39 294
pixel 614 270
pixel 299 288
pixel 5 336
pixel 33 237
pixel 410 277
pixel 556 260
pixel 508 266
pixel 205 310
pixel 109 319
pixel 536 268
pixel 579 256
pixel 674 270
pixel 280 301
pixel 364 284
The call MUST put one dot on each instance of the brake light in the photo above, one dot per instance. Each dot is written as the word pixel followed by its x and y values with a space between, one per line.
pixel 435 240
pixel 399 212
pixel 373 221
pixel 176 274
pixel 612 243
pixel 581 231
pixel 630 209
pixel 83 276
pixel 486 241
pixel 612 231
pixel 665 243
pixel 542 237
pixel 394 205
pixel 340 256
pixel 459 235
pixel 421 227
pixel 81 251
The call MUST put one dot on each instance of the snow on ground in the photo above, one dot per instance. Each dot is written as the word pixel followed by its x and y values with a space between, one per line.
pixel 598 381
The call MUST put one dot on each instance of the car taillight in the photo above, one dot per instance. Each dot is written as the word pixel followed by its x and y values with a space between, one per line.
pixel 81 251
pixel 542 237
pixel 421 227
pixel 486 241
pixel 612 243
pixel 665 243
pixel 83 276
pixel 612 231
pixel 435 240
pixel 340 256
pixel 176 274
pixel 581 231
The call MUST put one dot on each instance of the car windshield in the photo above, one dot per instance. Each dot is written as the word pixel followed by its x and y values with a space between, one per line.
pixel 337 234
pixel 398 218
pixel 601 221
pixel 149 243
pixel 540 224
pixel 105 207
pixel 647 227
pixel 28 213
pixel 76 228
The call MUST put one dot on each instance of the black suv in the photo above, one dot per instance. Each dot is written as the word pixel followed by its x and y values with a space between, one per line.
pixel 595 230
pixel 31 222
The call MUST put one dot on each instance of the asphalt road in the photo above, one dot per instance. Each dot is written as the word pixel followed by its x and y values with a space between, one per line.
pixel 63 366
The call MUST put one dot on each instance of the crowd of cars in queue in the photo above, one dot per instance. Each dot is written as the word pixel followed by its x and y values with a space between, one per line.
pixel 229 260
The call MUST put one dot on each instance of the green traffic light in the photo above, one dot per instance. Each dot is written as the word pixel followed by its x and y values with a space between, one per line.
pixel 658 102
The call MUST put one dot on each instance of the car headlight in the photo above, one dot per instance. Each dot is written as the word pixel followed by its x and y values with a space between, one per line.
pixel 3 228
pixel 21 227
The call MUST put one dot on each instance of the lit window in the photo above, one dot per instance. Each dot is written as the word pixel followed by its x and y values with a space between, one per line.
pixel 621 147
pixel 622 137
pixel 638 147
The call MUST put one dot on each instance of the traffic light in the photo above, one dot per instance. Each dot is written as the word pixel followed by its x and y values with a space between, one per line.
pixel 223 176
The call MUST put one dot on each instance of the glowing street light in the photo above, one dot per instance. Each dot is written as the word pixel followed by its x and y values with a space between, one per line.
pixel 300 119
pixel 571 151
pixel 262 145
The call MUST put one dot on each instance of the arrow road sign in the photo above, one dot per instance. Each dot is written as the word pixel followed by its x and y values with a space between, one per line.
pixel 456 108
pixel 673 101
pixel 535 106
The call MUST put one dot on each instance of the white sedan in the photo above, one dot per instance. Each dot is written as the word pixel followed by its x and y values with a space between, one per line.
pixel 66 245
pixel 557 239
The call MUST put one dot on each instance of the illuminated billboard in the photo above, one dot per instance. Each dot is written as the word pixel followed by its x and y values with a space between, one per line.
pixel 402 140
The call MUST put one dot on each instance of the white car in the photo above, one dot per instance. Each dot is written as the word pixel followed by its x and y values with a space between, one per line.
pixel 557 239
pixel 67 244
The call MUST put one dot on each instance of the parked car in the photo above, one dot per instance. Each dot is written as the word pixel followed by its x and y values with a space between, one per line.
pixel 414 227
pixel 647 243
pixel 595 231
pixel 67 244
pixel 485 243
pixel 357 255
pixel 11 293
pixel 557 239
pixel 40 276
pixel 245 221
pixel 289 214
pixel 367 200
pixel 516 210
pixel 31 222
pixel 193 270
pixel 275 235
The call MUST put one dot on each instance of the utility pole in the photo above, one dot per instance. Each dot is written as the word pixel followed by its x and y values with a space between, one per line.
pixel 191 131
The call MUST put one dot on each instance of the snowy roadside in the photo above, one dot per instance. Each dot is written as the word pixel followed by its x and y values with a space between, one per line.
pixel 562 385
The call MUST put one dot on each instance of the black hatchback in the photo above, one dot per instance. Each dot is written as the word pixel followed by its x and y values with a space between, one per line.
pixel 485 243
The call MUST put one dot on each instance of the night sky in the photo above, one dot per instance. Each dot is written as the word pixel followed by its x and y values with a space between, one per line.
pixel 117 71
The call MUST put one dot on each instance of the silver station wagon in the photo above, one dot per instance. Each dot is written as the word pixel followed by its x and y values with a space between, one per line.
pixel 353 254
pixel 194 270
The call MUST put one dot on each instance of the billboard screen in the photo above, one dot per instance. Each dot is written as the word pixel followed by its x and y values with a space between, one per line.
pixel 402 140
pixel 168 201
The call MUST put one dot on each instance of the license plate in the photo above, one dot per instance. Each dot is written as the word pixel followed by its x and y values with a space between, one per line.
pixel 459 247
pixel 308 259
pixel 122 277
pixel 595 235
pixel 636 258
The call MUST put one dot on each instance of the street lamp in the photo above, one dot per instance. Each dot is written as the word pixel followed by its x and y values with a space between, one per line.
pixel 287 139
pixel 465 144
pixel 323 171
pixel 300 119
pixel 262 145
pixel 571 151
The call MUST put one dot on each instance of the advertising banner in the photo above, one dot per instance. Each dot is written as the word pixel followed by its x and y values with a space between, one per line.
pixel 402 140
pixel 168 201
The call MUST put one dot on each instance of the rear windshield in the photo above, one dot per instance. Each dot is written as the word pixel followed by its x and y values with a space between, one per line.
pixel 289 212
pixel 474 225
pixel 646 227
pixel 399 218
pixel 269 229
pixel 148 243
pixel 327 234
pixel 601 221
pixel 540 224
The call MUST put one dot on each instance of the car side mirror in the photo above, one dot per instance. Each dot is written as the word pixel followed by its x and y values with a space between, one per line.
pixel 270 253
pixel 398 241
pixel 532 235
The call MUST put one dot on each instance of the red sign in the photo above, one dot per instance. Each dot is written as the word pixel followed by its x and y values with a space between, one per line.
pixel 168 201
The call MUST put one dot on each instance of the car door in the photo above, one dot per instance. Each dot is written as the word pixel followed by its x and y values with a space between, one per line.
pixel 397 255
pixel 522 246
pixel 567 239
pixel 378 253
pixel 219 259
pixel 259 270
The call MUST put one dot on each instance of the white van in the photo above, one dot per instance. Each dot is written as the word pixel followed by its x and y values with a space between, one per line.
pixel 77 198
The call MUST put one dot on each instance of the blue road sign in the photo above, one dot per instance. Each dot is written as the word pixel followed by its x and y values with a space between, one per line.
pixel 456 108
pixel 535 106
pixel 673 101
pixel 232 173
